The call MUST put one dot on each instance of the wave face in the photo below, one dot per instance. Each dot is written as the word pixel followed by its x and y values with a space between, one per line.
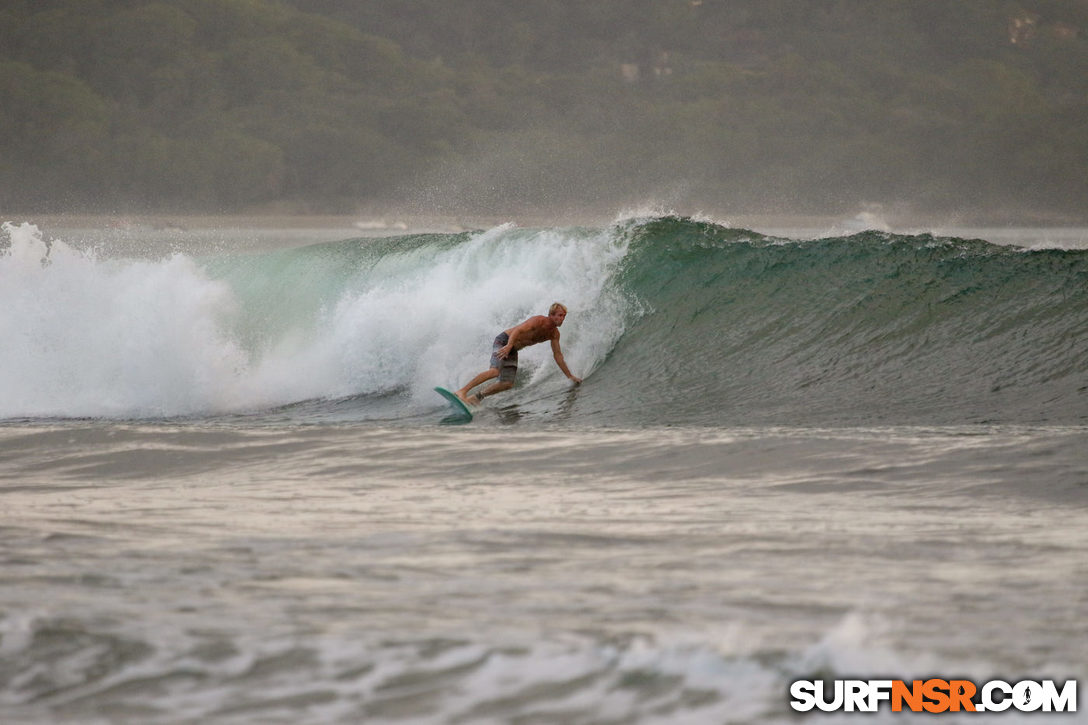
pixel 870 328
pixel 673 322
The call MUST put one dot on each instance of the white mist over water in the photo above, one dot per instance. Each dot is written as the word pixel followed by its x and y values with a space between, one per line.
pixel 85 337
pixel 124 338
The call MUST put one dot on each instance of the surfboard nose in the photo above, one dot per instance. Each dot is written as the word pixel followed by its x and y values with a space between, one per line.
pixel 461 412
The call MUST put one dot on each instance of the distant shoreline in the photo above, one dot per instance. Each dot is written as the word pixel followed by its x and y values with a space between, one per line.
pixel 393 223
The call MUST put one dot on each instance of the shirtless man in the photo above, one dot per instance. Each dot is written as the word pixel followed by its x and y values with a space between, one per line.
pixel 504 354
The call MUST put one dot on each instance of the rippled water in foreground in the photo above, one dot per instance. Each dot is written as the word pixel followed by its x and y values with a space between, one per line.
pixel 223 573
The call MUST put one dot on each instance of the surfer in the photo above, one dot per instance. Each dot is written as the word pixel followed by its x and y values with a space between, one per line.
pixel 504 353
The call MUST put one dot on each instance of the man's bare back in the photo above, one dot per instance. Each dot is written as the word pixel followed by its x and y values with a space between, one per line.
pixel 535 330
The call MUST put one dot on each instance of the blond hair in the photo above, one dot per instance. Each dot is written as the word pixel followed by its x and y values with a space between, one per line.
pixel 556 306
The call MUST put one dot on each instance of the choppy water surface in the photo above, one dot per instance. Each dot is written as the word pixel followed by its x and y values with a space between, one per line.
pixel 345 574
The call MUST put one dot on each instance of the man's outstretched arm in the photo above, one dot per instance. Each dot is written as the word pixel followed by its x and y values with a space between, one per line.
pixel 558 355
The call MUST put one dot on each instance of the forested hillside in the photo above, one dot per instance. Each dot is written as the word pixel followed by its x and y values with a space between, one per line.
pixel 978 106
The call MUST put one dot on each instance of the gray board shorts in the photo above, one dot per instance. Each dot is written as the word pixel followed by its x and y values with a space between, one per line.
pixel 508 366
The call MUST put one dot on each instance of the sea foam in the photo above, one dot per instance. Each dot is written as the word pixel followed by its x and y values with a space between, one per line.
pixel 178 336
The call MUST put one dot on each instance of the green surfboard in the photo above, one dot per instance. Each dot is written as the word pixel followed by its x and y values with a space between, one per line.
pixel 462 413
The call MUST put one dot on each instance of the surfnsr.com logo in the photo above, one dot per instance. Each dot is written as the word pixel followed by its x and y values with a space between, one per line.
pixel 933 696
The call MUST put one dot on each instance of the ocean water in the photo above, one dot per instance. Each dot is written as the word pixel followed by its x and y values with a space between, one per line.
pixel 227 493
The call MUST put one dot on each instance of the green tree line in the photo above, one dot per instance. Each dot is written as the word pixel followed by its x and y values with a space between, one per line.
pixel 224 105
